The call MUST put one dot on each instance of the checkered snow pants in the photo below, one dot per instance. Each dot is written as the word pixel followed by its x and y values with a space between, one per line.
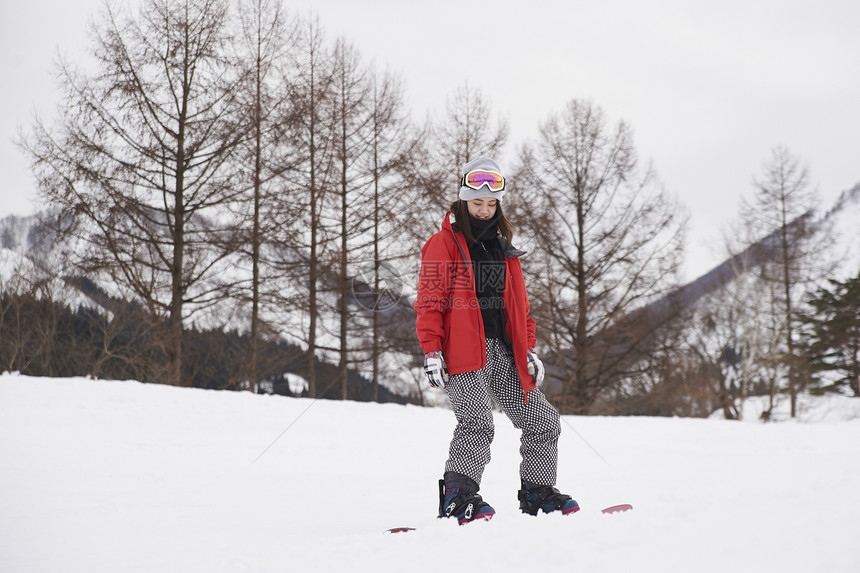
pixel 471 393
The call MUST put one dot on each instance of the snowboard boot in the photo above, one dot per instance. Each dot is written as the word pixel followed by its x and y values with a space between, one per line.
pixel 466 506
pixel 535 497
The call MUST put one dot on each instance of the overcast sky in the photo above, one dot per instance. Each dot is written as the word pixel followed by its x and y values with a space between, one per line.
pixel 708 87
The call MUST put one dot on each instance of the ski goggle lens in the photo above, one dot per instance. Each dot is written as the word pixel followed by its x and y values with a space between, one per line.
pixel 478 178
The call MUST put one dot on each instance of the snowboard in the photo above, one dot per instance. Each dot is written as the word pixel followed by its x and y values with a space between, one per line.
pixel 620 508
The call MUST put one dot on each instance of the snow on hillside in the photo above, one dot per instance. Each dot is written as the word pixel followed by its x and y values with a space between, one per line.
pixel 827 408
pixel 122 476
pixel 843 220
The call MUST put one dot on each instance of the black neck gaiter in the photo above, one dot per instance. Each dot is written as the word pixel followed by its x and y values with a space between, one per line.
pixel 484 230
pixel 489 268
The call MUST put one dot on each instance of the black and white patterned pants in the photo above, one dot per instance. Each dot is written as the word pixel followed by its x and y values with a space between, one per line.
pixel 470 394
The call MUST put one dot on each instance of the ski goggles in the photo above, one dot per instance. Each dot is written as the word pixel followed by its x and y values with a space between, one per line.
pixel 478 178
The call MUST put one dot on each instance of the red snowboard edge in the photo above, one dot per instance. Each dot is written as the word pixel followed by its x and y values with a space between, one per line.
pixel 617 508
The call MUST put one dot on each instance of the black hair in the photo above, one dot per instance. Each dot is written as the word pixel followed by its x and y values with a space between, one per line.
pixel 460 209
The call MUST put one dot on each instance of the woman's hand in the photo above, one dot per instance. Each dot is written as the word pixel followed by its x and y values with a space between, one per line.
pixel 435 369
pixel 536 368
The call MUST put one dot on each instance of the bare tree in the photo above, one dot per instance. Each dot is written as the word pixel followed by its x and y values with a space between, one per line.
pixel 393 142
pixel 307 173
pixel 782 211
pixel 352 90
pixel 267 34
pixel 608 241
pixel 466 131
pixel 724 339
pixel 141 161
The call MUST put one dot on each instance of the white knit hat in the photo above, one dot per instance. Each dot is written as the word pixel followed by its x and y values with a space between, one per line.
pixel 484 164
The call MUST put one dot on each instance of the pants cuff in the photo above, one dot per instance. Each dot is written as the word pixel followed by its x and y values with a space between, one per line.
pixel 454 480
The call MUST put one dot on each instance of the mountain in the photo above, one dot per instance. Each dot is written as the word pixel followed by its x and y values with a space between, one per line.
pixel 35 267
pixel 844 220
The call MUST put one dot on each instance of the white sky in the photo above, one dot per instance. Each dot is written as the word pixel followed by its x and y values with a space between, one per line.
pixel 709 87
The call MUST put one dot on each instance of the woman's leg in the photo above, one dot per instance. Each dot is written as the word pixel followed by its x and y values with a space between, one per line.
pixel 469 452
pixel 538 419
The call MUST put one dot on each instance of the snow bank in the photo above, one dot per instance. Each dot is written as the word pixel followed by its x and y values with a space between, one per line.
pixel 810 409
pixel 122 476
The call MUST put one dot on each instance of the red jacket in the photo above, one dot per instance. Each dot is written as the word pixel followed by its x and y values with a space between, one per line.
pixel 449 318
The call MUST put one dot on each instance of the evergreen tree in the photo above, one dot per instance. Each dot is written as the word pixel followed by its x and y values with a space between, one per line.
pixel 832 335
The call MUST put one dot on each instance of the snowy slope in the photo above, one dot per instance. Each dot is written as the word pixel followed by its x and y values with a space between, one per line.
pixel 843 220
pixel 121 476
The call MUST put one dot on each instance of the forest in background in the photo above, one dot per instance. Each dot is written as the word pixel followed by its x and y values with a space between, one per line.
pixel 234 198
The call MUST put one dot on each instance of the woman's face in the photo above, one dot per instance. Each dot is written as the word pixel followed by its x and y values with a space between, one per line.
pixel 483 208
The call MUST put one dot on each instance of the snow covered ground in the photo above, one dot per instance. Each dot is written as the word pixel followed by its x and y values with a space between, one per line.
pixel 125 477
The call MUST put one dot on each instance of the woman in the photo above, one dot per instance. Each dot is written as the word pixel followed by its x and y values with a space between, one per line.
pixel 478 341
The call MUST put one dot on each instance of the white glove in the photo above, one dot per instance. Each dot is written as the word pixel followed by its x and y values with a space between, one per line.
pixel 536 368
pixel 435 369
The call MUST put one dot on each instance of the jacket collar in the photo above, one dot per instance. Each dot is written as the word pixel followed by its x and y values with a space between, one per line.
pixel 508 250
